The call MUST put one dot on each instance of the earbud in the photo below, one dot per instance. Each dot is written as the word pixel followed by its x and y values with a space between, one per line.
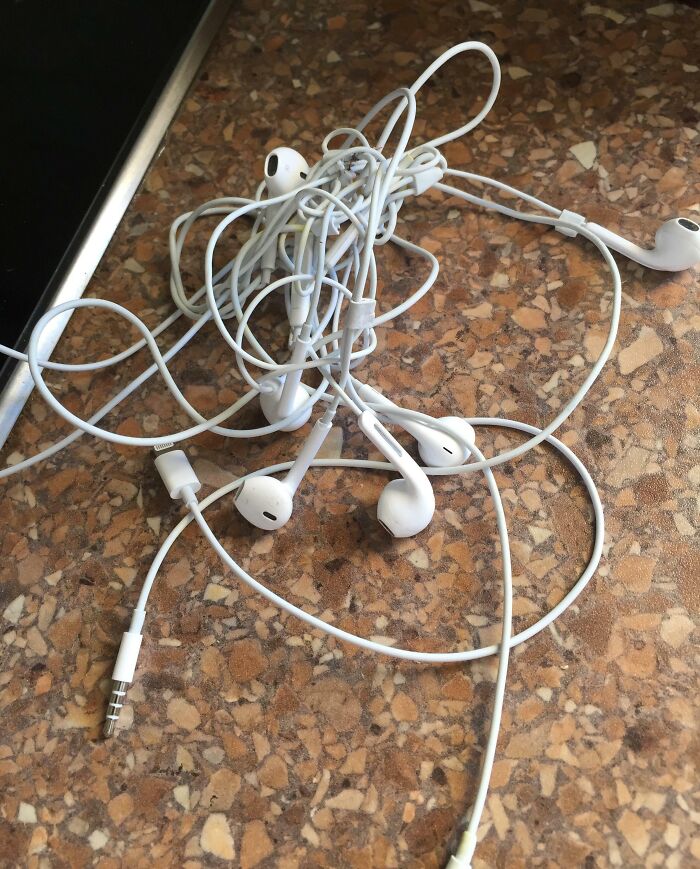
pixel 281 402
pixel 287 393
pixel 285 170
pixel 405 506
pixel 267 502
pixel 677 245
pixel 437 449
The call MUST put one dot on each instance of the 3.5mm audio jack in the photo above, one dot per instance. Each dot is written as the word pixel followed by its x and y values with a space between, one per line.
pixel 123 673
pixel 116 699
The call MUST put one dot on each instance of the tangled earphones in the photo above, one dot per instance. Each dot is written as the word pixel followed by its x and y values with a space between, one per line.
pixel 316 231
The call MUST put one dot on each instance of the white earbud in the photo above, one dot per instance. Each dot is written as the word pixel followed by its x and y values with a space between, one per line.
pixel 440 450
pixel 285 170
pixel 287 393
pixel 437 448
pixel 267 502
pixel 405 506
pixel 277 405
pixel 677 245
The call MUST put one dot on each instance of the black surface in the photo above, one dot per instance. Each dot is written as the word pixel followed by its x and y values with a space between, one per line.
pixel 78 80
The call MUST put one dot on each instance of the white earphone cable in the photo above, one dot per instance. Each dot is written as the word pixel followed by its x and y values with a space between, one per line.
pixel 321 226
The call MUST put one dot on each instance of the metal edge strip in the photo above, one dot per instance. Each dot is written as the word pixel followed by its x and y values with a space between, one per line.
pixel 88 256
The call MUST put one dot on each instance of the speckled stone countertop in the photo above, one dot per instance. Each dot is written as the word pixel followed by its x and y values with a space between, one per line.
pixel 245 738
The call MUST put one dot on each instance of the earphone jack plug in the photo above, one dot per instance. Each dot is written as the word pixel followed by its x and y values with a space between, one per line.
pixel 123 673
pixel 114 707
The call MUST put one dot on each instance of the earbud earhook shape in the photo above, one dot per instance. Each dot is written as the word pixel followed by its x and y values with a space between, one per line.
pixel 437 448
pixel 267 502
pixel 285 170
pixel 283 396
pixel 677 245
pixel 406 506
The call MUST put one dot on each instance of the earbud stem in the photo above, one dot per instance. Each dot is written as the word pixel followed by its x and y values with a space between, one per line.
pixel 369 394
pixel 389 447
pixel 269 260
pixel 405 506
pixel 293 378
pixel 300 303
pixel 627 248
pixel 309 451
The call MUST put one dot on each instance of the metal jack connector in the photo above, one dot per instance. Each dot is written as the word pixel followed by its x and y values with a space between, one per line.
pixel 115 704
pixel 123 673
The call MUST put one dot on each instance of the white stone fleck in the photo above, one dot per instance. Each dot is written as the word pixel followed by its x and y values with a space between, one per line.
pixel 664 10
pixel 36 642
pixel 585 153
pixel 629 467
pixel 311 836
pixel 133 266
pixel 676 629
pixel 182 796
pixel 539 535
pixel 215 592
pixel 672 836
pixel 611 14
pixel 350 800
pixel 98 839
pixel 683 526
pixel 214 754
pixel 634 830
pixel 26 814
pixel 14 609
pixel 499 816
pixel 322 787
pixel 480 6
pixel 419 559
pixel 216 837
pixel 478 312
pixel 516 72
pixel 332 447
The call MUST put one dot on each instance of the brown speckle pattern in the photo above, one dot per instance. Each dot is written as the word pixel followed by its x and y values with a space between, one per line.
pixel 248 739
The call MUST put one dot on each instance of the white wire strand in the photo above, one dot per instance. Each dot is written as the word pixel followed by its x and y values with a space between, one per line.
pixel 369 645
pixel 324 235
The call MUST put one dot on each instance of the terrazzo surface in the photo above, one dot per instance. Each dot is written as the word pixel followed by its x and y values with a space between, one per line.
pixel 249 741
